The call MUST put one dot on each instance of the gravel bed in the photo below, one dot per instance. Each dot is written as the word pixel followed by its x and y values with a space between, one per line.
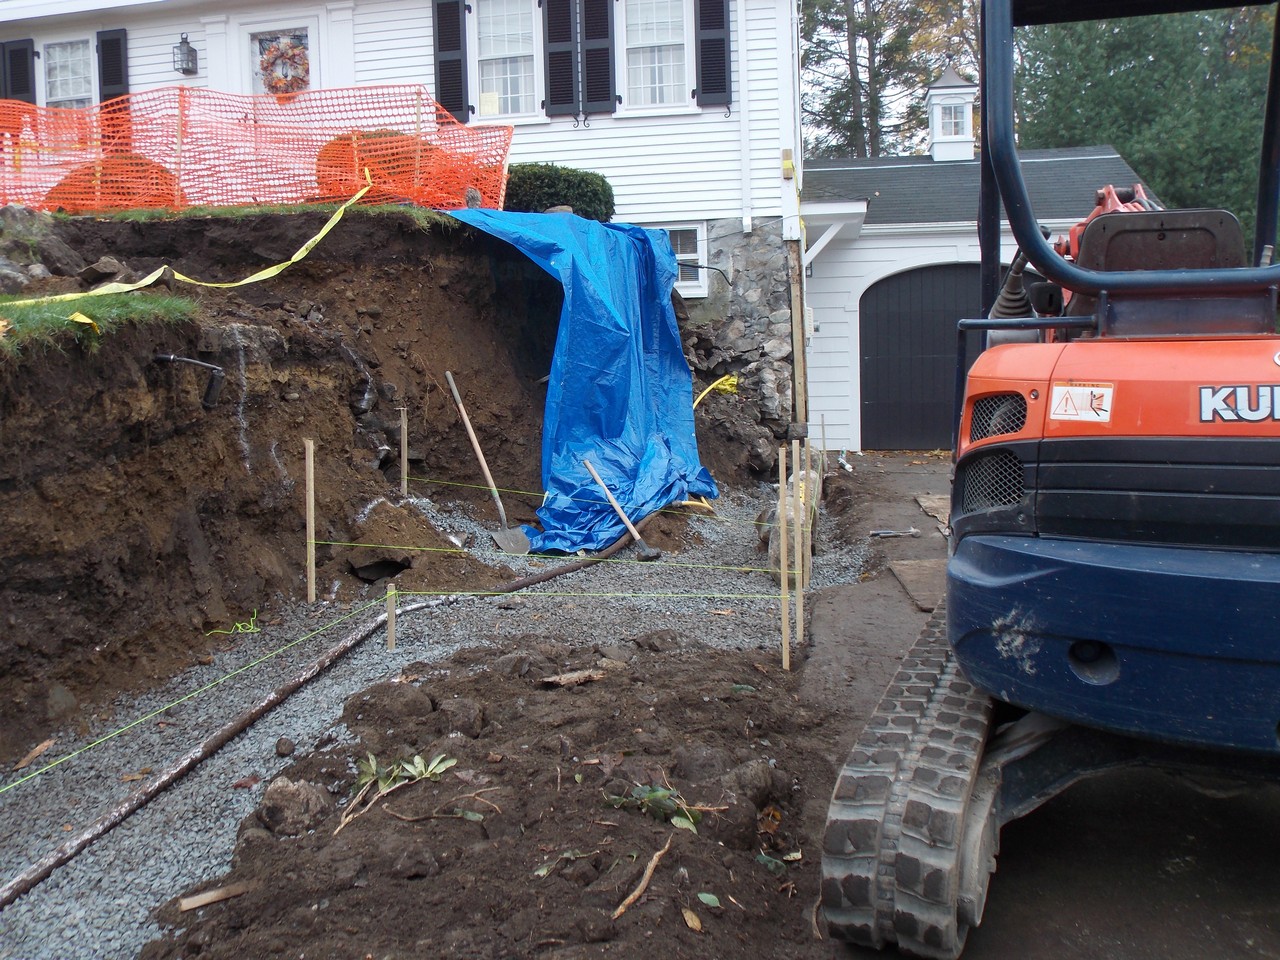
pixel 99 905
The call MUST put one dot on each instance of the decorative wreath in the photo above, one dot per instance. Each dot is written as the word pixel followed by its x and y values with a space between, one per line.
pixel 285 67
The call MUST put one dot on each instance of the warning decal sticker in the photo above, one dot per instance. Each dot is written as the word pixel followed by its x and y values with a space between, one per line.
pixel 1082 401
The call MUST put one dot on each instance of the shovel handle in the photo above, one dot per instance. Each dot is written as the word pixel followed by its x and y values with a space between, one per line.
pixel 475 445
pixel 596 477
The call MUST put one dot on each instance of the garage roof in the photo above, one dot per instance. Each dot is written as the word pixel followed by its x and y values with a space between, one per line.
pixel 901 190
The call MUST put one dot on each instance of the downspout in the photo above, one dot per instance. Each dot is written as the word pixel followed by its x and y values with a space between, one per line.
pixel 744 114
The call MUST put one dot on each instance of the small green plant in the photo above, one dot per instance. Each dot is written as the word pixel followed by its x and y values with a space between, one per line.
pixel 375 781
pixel 661 803
pixel 535 187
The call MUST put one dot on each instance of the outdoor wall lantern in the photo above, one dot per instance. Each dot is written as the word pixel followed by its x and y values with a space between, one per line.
pixel 186 60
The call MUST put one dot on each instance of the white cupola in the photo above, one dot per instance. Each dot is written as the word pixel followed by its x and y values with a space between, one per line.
pixel 949 102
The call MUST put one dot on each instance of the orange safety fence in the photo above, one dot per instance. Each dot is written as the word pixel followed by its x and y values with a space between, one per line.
pixel 180 147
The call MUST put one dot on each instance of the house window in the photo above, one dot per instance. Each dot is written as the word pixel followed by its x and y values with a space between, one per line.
pixel 656 53
pixel 690 245
pixel 68 74
pixel 505 58
pixel 280 60
pixel 574 58
pixel 954 120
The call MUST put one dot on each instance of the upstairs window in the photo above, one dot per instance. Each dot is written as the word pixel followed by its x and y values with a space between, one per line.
pixel 656 53
pixel 505 57
pixel 522 58
pixel 953 120
pixel 68 74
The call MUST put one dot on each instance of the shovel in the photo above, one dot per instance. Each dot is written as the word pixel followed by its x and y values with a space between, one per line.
pixel 646 552
pixel 508 539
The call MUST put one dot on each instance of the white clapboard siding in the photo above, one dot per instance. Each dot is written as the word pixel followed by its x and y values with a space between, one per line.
pixel 647 160
pixel 151 44
pixel 766 86
pixel 708 164
pixel 393 43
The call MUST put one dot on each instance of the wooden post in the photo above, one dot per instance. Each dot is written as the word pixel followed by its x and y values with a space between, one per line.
pixel 810 511
pixel 311 520
pixel 799 363
pixel 825 465
pixel 404 451
pixel 782 557
pixel 391 616
pixel 798 534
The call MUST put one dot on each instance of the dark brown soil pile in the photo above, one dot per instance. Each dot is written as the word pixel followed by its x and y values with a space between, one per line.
pixel 517 850
pixel 137 520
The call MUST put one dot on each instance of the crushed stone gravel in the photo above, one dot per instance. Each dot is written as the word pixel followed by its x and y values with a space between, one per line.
pixel 99 906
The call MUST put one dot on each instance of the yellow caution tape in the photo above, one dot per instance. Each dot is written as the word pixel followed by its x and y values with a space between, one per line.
pixel 156 274
pixel 79 317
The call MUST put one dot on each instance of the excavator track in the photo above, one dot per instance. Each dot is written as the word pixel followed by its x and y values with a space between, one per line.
pixel 910 840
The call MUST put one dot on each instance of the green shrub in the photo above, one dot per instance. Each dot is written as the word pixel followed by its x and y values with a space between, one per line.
pixel 534 187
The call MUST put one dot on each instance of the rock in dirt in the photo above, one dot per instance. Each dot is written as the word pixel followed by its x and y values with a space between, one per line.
pixel 12 277
pixel 104 269
pixel 61 260
pixel 292 809
pixel 465 716
pixel 531 665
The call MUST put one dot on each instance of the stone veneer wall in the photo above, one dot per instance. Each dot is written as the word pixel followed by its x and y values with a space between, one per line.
pixel 743 326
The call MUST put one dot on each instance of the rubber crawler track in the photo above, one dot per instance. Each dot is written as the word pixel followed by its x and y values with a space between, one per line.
pixel 891 851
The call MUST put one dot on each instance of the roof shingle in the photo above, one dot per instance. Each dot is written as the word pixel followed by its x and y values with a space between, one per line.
pixel 901 190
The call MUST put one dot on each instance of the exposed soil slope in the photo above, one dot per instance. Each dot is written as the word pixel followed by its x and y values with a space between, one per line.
pixel 136 520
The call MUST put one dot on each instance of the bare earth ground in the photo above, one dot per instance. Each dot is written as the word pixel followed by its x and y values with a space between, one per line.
pixel 517 850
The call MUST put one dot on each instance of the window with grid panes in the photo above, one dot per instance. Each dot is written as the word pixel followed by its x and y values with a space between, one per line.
pixel 953 120
pixel 68 74
pixel 504 35
pixel 688 243
pixel 656 53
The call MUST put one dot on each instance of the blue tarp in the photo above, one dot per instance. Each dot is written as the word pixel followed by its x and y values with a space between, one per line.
pixel 620 393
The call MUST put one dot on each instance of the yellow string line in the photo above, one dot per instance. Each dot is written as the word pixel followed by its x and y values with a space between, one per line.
pixel 183 699
pixel 530 493
pixel 550 593
pixel 541 556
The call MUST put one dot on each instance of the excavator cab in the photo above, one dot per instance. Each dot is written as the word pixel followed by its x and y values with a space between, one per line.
pixel 1113 584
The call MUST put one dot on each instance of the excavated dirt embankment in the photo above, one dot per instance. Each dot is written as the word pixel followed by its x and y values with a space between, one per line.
pixel 137 520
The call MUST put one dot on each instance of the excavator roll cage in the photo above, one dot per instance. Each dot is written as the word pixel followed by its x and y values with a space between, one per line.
pixel 1002 174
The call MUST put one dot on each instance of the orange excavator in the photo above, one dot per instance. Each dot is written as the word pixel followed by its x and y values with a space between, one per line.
pixel 1113 584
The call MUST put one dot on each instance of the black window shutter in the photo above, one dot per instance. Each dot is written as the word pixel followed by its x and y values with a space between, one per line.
pixel 598 92
pixel 113 64
pixel 712 28
pixel 451 57
pixel 560 20
pixel 19 80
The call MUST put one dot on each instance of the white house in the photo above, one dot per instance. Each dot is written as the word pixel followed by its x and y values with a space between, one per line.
pixel 690 108
pixel 892 263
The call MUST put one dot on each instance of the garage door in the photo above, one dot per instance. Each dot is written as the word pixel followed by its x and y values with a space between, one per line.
pixel 907 329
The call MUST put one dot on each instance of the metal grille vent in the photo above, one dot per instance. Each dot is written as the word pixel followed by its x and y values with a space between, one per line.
pixel 994 480
pixel 997 414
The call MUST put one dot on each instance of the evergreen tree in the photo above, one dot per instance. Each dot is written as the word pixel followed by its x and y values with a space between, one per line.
pixel 865 67
pixel 1179 96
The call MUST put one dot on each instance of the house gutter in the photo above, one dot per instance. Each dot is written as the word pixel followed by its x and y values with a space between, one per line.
pixel 744 115
pixel 40 9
